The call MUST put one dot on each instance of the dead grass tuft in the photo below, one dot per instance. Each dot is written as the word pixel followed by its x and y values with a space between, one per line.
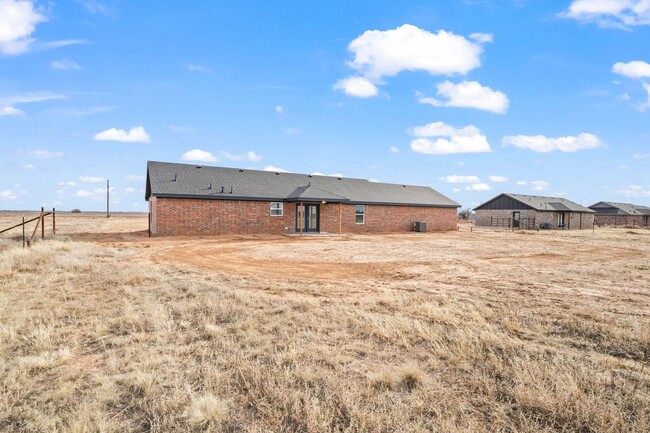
pixel 208 410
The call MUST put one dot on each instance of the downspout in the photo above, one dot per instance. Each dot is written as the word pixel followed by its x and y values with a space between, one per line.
pixel 301 216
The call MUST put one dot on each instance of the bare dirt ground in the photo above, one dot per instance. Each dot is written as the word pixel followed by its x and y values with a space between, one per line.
pixel 464 331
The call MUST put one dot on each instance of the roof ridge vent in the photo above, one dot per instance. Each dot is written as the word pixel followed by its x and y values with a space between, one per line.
pixel 198 166
pixel 339 178
pixel 241 171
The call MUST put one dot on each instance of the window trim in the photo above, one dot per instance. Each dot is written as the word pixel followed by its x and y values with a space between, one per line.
pixel 362 214
pixel 279 208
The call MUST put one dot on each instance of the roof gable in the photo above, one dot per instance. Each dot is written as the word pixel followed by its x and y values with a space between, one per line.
pixel 620 208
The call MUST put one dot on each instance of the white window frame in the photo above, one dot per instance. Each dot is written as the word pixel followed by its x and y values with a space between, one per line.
pixel 363 214
pixel 280 208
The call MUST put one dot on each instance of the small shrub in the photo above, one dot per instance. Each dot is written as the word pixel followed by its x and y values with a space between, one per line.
pixel 75 211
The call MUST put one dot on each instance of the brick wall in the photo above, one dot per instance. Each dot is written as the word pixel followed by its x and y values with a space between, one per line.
pixel 573 220
pixel 173 216
pixel 621 220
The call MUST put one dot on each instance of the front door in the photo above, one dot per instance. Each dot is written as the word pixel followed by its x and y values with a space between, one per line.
pixel 515 219
pixel 309 216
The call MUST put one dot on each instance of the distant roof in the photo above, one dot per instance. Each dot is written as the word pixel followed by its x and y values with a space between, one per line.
pixel 202 181
pixel 542 203
pixel 623 208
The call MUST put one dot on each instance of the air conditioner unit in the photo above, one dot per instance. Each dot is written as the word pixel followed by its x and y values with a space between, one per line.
pixel 420 226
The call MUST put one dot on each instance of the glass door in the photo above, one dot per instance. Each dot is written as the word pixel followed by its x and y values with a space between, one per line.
pixel 308 216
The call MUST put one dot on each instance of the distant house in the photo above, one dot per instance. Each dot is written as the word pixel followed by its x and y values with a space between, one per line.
pixel 609 213
pixel 530 211
pixel 197 199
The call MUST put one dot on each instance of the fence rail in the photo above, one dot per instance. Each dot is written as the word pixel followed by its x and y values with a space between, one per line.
pixel 40 222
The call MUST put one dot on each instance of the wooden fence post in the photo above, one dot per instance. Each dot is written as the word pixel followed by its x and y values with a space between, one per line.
pixel 53 221
pixel 23 231
pixel 42 223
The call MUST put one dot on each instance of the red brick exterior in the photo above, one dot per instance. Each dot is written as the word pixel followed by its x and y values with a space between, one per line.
pixel 622 220
pixel 177 216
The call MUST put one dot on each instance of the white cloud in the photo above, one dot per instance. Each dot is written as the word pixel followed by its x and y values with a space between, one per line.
pixel 540 143
pixel 318 173
pixel 91 179
pixel 96 194
pixel 478 187
pixel 469 94
pixel 199 155
pixel 18 19
pixel 69 184
pixel 135 177
pixel 134 135
pixel 482 38
pixel 275 169
pixel 30 97
pixel 394 149
pixel 456 190
pixel 460 179
pixel 634 191
pixel 635 69
pixel 27 166
pixel 10 111
pixel 610 13
pixel 65 65
pixel 7 194
pixel 498 179
pixel 246 156
pixel 380 54
pixel 45 154
pixel 358 87
pixel 63 43
pixel 279 109
pixel 521 182
pixel 464 140
pixel 198 68
pixel 641 155
pixel 539 185
pixel 83 193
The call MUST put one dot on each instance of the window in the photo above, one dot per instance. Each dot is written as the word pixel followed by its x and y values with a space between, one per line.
pixel 560 220
pixel 360 214
pixel 277 208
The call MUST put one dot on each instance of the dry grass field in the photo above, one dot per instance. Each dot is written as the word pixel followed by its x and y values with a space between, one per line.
pixel 105 330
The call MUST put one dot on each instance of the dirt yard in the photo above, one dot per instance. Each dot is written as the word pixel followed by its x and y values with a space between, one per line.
pixel 464 331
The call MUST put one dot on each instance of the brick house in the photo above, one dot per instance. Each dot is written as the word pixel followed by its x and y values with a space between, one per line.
pixel 187 199
pixel 609 213
pixel 518 211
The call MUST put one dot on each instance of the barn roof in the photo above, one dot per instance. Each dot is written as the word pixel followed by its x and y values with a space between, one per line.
pixel 621 208
pixel 541 203
pixel 201 181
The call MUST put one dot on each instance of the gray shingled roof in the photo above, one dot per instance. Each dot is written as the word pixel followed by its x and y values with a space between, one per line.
pixel 624 208
pixel 542 203
pixel 201 181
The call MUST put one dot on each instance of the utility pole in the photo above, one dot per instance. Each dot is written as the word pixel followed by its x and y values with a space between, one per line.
pixel 108 189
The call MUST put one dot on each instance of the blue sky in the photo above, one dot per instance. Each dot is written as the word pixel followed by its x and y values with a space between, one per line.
pixel 472 98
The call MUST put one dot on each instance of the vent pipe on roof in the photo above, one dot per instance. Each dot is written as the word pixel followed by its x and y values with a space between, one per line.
pixel 231 190
pixel 175 175
pixel 223 189
pixel 210 185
